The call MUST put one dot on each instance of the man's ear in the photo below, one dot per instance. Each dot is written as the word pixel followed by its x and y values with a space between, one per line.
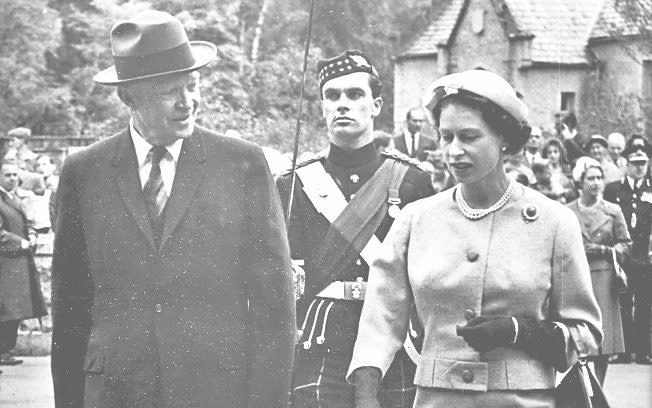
pixel 125 96
pixel 378 106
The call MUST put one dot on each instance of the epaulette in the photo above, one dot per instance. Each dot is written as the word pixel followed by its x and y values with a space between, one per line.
pixel 304 160
pixel 402 157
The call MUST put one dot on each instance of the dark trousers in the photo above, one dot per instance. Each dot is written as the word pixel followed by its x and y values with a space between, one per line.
pixel 8 335
pixel 319 382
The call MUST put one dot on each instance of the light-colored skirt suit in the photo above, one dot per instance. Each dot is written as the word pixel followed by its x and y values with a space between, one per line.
pixel 508 263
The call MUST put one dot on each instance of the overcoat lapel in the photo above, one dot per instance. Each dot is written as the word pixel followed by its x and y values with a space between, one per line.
pixel 190 172
pixel 125 168
pixel 14 204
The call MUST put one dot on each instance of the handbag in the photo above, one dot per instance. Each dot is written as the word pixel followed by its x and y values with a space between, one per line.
pixel 621 283
pixel 580 389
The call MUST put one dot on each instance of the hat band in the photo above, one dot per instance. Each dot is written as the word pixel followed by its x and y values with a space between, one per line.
pixel 170 60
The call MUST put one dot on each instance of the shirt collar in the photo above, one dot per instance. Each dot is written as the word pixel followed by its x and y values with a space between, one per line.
pixel 408 135
pixel 143 147
pixel 353 158
pixel 634 184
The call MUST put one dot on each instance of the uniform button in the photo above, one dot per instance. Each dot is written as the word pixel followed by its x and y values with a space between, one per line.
pixel 469 314
pixel 467 376
pixel 158 308
pixel 358 262
pixel 351 196
pixel 472 255
pixel 354 178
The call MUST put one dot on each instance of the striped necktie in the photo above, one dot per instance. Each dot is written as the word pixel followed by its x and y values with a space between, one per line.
pixel 155 194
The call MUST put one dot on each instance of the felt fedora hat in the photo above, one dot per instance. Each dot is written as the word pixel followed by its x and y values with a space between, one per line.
pixel 151 44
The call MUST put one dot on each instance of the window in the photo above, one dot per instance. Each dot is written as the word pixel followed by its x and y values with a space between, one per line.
pixel 568 101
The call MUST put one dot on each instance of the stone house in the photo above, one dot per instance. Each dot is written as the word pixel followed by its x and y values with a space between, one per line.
pixel 572 55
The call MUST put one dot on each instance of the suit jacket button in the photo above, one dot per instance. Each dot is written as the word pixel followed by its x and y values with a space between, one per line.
pixel 472 255
pixel 469 314
pixel 158 308
pixel 467 376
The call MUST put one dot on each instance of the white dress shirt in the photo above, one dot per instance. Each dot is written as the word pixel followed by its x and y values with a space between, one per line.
pixel 168 162
pixel 408 140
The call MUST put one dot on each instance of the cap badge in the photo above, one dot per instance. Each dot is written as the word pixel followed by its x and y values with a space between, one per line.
pixel 359 59
pixel 530 213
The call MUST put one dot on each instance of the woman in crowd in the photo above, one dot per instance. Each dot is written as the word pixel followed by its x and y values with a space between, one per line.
pixel 604 230
pixel 496 270
pixel 598 148
pixel 561 185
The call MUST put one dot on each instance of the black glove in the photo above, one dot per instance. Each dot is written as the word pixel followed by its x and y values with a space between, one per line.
pixel 487 333
pixel 366 381
pixel 542 340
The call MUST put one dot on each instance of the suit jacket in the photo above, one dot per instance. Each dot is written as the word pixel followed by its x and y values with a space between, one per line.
pixel 425 143
pixel 206 318
pixel 455 269
pixel 20 287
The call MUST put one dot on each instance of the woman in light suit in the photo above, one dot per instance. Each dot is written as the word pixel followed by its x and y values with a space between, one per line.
pixel 497 270
pixel 604 230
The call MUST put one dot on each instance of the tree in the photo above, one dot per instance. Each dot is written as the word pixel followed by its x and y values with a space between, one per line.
pixel 27 96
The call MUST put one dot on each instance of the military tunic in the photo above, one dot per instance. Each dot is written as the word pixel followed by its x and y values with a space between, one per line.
pixel 329 327
pixel 636 205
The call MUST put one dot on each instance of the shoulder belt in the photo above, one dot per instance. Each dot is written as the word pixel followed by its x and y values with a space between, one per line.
pixel 353 224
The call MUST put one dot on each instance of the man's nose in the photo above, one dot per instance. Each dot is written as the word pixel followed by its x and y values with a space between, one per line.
pixel 184 100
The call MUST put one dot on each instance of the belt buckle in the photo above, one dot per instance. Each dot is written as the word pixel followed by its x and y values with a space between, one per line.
pixel 355 290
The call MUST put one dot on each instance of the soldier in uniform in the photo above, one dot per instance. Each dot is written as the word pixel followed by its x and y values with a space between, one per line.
pixel 344 204
pixel 634 195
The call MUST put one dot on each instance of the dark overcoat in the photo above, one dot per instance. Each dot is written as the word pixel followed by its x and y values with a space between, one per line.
pixel 20 287
pixel 204 319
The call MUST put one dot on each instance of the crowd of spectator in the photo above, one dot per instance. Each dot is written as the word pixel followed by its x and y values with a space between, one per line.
pixel 28 183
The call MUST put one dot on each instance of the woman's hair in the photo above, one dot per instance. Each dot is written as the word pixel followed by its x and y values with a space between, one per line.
pixel 559 145
pixel 592 166
pixel 515 134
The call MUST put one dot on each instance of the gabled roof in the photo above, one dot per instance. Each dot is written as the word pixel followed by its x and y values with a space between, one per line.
pixel 612 22
pixel 439 31
pixel 559 29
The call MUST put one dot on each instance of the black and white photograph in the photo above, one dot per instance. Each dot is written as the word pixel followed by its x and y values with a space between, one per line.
pixel 326 204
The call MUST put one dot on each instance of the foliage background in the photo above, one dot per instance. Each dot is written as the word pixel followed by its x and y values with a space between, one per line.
pixel 50 51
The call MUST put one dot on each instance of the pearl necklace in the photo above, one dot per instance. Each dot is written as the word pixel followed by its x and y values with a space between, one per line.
pixel 477 213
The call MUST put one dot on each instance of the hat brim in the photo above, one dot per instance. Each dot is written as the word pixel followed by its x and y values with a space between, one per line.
pixel 602 142
pixel 204 52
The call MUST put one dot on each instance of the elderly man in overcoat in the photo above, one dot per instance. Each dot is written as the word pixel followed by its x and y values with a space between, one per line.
pixel 172 282
pixel 20 288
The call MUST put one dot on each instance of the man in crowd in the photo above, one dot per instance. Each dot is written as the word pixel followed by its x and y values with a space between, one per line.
pixel 411 141
pixel 20 288
pixel 532 149
pixel 634 195
pixel 172 282
pixel 22 155
pixel 344 203
pixel 616 146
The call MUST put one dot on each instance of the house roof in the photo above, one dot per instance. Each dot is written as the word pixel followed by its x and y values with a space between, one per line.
pixel 439 31
pixel 612 21
pixel 560 29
